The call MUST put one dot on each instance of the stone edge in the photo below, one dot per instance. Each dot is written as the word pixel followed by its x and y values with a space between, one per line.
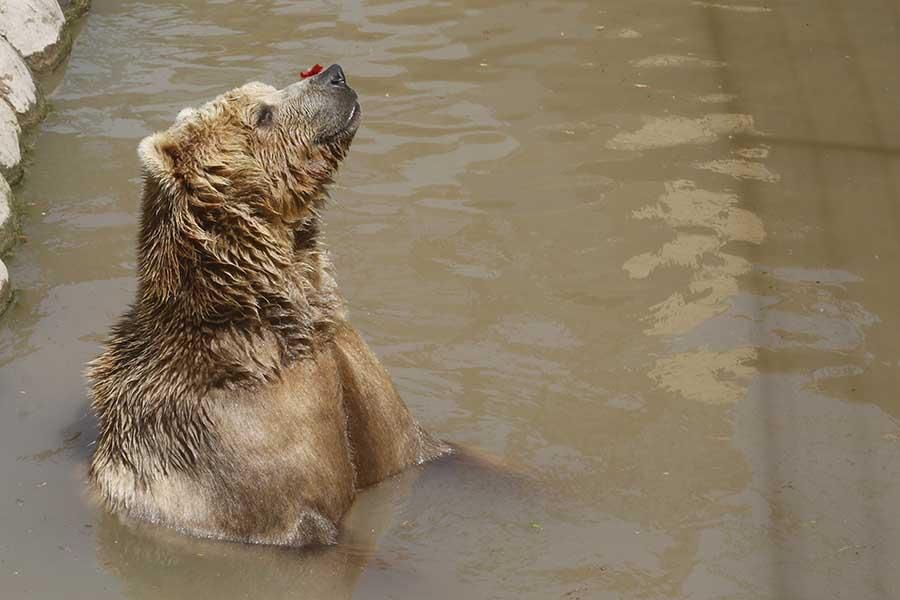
pixel 46 60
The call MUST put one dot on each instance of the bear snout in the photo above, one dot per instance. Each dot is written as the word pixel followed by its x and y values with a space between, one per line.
pixel 334 75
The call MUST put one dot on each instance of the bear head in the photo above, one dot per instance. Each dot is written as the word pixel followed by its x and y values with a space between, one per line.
pixel 273 150
pixel 232 188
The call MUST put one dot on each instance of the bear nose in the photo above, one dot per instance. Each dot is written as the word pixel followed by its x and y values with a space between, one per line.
pixel 335 76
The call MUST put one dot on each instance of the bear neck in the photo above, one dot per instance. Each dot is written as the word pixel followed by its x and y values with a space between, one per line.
pixel 250 279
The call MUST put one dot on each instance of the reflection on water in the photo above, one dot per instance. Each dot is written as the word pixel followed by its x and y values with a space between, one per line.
pixel 714 272
pixel 662 132
pixel 704 376
pixel 647 249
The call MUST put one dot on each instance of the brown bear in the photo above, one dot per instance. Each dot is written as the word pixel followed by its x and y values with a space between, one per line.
pixel 234 399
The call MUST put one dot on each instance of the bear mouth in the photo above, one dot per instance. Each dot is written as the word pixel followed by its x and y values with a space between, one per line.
pixel 353 119
pixel 348 129
pixel 352 123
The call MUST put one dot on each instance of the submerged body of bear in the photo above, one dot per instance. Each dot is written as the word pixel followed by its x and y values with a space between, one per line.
pixel 234 400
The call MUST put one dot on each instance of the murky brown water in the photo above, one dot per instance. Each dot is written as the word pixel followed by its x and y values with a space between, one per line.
pixel 649 248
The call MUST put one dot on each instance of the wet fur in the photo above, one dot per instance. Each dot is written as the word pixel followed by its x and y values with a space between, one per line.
pixel 234 399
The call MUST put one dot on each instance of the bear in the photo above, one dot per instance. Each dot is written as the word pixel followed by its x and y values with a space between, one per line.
pixel 233 398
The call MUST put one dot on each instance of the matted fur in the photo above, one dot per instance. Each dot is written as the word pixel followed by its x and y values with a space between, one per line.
pixel 234 400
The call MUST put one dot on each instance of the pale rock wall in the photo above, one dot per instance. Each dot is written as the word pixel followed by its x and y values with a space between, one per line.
pixel 32 26
pixel 16 83
pixel 35 36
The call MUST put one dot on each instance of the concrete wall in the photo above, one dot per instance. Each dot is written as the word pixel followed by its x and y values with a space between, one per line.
pixel 35 37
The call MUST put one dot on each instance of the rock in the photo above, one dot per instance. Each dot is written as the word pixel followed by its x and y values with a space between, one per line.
pixel 31 25
pixel 17 86
pixel 35 29
pixel 10 156
pixel 7 218
pixel 5 288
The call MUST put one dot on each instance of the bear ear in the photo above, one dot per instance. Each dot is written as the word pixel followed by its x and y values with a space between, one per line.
pixel 185 114
pixel 157 155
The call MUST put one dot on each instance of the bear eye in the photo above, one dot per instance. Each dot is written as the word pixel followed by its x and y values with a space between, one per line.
pixel 265 115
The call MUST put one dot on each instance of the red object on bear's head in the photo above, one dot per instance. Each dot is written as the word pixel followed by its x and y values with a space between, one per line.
pixel 313 70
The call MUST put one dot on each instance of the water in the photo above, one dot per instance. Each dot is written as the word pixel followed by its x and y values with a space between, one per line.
pixel 647 249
